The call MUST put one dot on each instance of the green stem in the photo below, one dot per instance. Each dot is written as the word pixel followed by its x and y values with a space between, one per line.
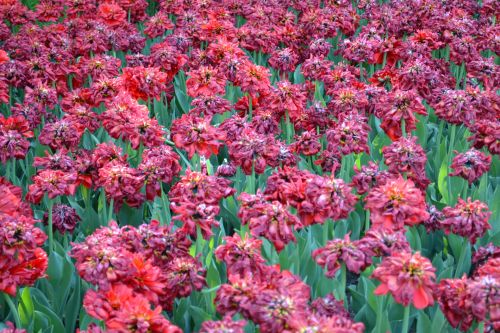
pixel 111 207
pixel 104 205
pixel 450 150
pixel 13 310
pixel 86 198
pixel 461 259
pixel 480 327
pixel 343 283
pixel 464 75
pixel 51 228
pixel 250 107
pixel 11 165
pixel 251 181
pixel 311 162
pixel 166 205
pixel 367 220
pixel 406 319
pixel 288 128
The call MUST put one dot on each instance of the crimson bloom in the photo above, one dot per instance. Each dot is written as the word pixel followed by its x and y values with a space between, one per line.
pixel 64 218
pixel 253 151
pixel 284 60
pixel 62 133
pixel 111 14
pixel 144 83
pixel 11 200
pixel 157 25
pixel 242 257
pixel 269 219
pixel 224 325
pixel 122 184
pixel 396 203
pixel 121 309
pixel 326 197
pixel 410 278
pixel 398 106
pixel 405 155
pixel 470 165
pixel 128 120
pixel 368 176
pixel 200 187
pixel 467 219
pixel 355 256
pixel 4 57
pixel 329 306
pixel 484 300
pixel 307 144
pixel 253 78
pixel 205 81
pixel 383 242
pixel 53 182
pixel 452 298
pixel 349 135
pixel 14 134
pixel 486 134
pixel 22 260
pixel 195 215
pixel 159 164
pixel 195 134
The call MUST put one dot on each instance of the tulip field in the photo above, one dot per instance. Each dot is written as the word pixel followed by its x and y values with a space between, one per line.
pixel 228 166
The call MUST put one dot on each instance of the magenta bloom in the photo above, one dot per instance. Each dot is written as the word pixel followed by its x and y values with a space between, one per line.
pixel 64 218
pixel 406 156
pixel 408 277
pixel 396 203
pixel 326 198
pixel 53 182
pixel 471 165
pixel 271 220
pixel 242 257
pixel 121 183
pixel 355 256
pixel 467 219
pixel 224 325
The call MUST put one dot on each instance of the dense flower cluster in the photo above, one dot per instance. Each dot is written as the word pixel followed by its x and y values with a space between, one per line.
pixel 316 198
pixel 22 259
pixel 276 300
pixel 137 271
pixel 195 201
pixel 325 133
pixel 269 219
pixel 476 298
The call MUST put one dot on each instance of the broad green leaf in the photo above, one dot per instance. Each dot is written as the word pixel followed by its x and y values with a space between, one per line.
pixel 25 307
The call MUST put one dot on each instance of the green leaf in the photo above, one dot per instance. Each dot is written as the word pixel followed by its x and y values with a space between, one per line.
pixel 72 309
pixel 442 181
pixel 53 319
pixel 438 322
pixel 423 323
pixel 25 307
pixel 199 316
pixel 56 267
pixel 41 321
